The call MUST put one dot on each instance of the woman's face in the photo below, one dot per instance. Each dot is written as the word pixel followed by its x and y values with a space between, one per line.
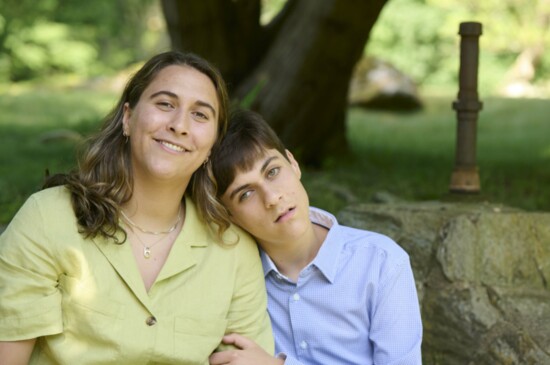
pixel 173 126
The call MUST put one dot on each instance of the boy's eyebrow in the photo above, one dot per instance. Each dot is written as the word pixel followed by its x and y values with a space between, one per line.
pixel 175 96
pixel 262 169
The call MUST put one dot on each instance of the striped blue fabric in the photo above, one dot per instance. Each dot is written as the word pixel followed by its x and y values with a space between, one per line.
pixel 356 303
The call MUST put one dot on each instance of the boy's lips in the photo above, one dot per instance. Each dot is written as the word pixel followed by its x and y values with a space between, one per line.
pixel 286 214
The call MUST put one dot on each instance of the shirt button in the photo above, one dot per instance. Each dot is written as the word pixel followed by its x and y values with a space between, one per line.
pixel 303 345
pixel 296 297
pixel 151 321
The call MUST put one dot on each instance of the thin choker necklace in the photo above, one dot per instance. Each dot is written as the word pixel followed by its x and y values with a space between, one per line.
pixel 156 233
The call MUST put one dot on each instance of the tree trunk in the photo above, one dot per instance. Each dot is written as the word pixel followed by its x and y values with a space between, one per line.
pixel 227 33
pixel 295 71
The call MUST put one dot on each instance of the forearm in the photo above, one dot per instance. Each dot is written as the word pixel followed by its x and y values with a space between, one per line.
pixel 16 352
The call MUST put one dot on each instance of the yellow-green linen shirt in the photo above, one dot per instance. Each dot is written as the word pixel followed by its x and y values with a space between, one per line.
pixel 86 302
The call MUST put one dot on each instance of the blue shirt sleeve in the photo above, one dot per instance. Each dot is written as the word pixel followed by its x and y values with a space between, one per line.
pixel 396 327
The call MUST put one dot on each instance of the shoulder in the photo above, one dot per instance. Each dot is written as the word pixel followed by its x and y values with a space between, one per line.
pixel 48 204
pixel 354 239
pixel 234 240
pixel 36 228
pixel 363 239
pixel 377 252
pixel 241 241
pixel 57 196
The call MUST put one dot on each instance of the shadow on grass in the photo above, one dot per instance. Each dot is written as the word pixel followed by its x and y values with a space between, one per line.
pixel 25 156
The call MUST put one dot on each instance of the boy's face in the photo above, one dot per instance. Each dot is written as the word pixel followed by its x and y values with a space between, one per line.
pixel 269 201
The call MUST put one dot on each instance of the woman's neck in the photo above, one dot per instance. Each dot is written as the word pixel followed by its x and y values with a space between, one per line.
pixel 155 208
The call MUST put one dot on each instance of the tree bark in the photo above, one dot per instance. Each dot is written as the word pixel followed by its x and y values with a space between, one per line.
pixel 295 71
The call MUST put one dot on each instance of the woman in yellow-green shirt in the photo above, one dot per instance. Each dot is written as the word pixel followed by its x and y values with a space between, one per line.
pixel 123 263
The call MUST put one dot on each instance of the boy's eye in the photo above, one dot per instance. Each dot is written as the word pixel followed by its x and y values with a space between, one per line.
pixel 245 195
pixel 273 172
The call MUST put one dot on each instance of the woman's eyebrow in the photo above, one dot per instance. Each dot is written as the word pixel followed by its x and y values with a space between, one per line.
pixel 163 92
pixel 175 96
pixel 206 105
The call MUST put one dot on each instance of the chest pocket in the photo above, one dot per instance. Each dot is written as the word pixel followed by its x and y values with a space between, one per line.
pixel 196 338
pixel 88 315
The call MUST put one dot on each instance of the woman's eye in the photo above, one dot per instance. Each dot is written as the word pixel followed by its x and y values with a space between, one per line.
pixel 273 172
pixel 201 115
pixel 165 105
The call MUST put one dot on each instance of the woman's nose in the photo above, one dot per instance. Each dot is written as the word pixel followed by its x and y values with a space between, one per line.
pixel 179 124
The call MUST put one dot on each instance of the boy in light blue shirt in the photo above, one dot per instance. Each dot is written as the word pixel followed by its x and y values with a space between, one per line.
pixel 336 295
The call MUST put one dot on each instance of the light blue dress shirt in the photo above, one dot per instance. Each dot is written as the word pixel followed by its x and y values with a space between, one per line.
pixel 355 303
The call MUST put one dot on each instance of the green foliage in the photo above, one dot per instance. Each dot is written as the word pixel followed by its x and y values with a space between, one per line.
pixel 40 38
pixel 409 33
pixel 46 47
pixel 421 38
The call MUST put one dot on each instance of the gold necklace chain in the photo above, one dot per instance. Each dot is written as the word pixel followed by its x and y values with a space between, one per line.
pixel 156 233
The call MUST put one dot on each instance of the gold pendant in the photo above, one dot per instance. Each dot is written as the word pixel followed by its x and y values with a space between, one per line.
pixel 146 252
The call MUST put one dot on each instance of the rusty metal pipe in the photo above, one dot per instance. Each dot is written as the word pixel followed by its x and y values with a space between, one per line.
pixel 465 176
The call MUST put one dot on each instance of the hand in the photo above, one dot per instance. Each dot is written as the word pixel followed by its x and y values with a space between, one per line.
pixel 247 352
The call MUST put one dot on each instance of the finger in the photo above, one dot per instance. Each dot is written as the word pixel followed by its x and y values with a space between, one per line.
pixel 219 358
pixel 238 341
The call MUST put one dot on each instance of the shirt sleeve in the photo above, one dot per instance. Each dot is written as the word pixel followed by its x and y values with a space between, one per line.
pixel 396 326
pixel 30 302
pixel 248 314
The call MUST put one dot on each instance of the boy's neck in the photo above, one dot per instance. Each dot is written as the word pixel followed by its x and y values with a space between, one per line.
pixel 291 259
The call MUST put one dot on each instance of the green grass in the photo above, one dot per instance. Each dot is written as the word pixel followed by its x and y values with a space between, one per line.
pixel 408 156
pixel 411 156
pixel 25 116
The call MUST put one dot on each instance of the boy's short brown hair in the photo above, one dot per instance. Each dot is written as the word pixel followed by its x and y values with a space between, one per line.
pixel 247 139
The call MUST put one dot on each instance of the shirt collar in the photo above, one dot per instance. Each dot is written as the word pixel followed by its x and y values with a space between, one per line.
pixel 327 257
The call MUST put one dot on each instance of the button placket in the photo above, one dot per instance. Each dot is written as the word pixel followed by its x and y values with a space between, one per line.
pixel 151 321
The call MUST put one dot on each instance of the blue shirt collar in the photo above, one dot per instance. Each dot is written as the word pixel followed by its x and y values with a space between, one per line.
pixel 327 257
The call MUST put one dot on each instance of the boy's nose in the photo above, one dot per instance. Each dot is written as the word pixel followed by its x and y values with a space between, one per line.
pixel 272 197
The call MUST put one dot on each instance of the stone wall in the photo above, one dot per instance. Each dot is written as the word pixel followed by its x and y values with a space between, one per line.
pixel 482 275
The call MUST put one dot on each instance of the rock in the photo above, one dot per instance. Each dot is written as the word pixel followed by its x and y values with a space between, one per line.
pixel 482 271
pixel 377 84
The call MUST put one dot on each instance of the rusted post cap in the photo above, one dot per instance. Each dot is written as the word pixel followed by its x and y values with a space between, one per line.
pixel 470 29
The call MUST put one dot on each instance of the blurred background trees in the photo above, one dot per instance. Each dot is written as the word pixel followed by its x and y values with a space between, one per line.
pixel 64 62
pixel 41 38
pixel 419 37
pixel 294 70
pixel 88 38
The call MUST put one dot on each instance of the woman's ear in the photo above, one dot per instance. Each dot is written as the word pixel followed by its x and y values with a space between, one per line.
pixel 127 113
pixel 293 163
